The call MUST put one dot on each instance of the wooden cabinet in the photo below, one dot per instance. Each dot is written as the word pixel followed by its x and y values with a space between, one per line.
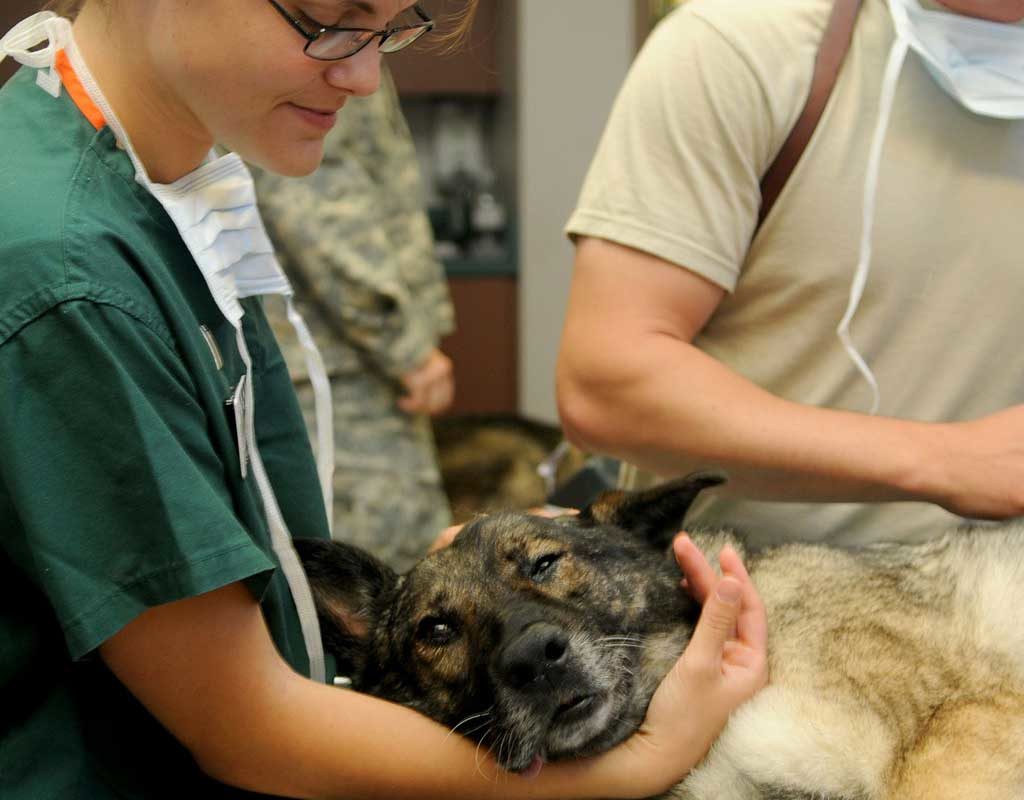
pixel 484 346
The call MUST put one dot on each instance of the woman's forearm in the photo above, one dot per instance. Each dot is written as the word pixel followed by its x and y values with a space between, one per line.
pixel 331 743
pixel 207 669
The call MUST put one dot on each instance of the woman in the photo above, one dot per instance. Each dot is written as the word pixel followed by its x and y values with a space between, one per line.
pixel 159 636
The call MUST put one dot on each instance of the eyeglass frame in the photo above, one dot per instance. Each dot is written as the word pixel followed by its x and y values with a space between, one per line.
pixel 426 23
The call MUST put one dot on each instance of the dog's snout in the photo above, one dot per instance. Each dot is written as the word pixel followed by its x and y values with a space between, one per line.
pixel 536 657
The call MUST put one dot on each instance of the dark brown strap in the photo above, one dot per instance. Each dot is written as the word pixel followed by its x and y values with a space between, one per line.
pixel 831 52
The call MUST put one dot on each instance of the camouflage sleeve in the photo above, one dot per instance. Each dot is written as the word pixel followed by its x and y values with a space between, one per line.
pixel 409 226
pixel 356 241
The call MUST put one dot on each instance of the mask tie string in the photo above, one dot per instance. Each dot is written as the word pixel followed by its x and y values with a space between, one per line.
pixel 322 405
pixel 893 67
pixel 280 538
pixel 19 41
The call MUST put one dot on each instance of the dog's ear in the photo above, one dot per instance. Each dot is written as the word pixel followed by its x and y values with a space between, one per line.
pixel 655 514
pixel 346 582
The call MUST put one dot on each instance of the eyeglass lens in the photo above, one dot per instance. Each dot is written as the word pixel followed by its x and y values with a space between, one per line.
pixel 401 39
pixel 341 44
pixel 338 44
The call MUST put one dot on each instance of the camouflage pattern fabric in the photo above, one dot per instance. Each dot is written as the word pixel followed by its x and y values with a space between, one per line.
pixel 355 241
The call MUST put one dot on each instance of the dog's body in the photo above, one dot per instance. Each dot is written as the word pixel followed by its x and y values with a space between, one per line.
pixel 896 671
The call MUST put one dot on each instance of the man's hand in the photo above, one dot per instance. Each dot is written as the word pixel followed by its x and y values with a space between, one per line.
pixel 977 466
pixel 430 388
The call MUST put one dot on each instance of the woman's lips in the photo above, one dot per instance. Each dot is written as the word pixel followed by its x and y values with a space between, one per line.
pixel 324 120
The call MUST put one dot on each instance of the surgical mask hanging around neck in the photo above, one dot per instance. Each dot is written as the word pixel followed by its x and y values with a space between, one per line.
pixel 21 43
pixel 215 212
pixel 978 63
pixel 213 208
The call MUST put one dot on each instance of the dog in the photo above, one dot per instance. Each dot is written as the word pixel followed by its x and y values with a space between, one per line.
pixel 489 462
pixel 897 671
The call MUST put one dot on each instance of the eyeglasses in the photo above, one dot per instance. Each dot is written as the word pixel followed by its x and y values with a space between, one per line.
pixel 328 43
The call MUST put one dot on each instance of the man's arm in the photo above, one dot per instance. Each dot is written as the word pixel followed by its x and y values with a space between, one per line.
pixel 631 383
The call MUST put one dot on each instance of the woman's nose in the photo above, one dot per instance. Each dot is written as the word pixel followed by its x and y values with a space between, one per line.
pixel 358 75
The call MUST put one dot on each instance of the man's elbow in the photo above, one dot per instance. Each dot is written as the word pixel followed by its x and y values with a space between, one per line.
pixel 588 417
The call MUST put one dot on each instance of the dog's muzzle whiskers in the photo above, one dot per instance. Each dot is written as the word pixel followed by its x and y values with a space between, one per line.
pixel 483 714
pixel 621 641
pixel 477 759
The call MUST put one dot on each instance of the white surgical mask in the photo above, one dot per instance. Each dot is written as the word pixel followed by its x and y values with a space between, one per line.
pixel 214 210
pixel 978 63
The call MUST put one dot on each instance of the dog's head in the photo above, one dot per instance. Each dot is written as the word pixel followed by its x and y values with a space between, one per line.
pixel 541 638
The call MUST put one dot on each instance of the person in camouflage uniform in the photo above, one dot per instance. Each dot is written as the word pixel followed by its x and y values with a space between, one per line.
pixel 356 243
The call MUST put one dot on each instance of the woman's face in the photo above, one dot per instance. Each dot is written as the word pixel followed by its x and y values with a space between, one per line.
pixel 239 71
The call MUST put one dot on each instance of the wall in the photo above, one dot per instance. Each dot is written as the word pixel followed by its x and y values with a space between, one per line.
pixel 573 55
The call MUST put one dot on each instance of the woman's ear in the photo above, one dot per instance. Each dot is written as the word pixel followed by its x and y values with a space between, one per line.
pixel 655 514
pixel 346 582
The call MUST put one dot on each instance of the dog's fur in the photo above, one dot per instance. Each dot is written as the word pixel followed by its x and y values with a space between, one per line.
pixel 897 672
pixel 489 462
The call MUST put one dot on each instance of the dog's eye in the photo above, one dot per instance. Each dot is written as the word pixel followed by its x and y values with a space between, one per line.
pixel 541 568
pixel 436 631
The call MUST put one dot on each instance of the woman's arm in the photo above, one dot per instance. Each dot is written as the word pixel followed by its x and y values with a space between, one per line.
pixel 627 355
pixel 208 670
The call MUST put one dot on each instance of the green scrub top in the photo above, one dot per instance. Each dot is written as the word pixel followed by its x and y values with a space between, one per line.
pixel 120 482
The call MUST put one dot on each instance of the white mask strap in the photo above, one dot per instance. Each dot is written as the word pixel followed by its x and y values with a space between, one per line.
pixel 22 44
pixel 280 538
pixel 322 404
pixel 897 55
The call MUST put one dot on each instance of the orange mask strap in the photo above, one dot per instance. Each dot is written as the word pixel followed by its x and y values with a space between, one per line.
pixel 77 92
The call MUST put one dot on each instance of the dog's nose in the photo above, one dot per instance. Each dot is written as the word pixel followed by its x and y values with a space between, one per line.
pixel 535 658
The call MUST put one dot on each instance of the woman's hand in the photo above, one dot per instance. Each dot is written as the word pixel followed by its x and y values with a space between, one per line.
pixel 445 538
pixel 732 634
pixel 724 664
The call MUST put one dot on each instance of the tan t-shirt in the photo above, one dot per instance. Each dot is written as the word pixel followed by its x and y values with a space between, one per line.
pixel 702 114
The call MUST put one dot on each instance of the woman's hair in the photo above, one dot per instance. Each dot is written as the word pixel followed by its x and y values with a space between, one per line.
pixel 461 21
pixel 66 8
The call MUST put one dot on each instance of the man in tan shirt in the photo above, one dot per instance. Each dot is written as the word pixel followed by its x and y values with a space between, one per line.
pixel 696 339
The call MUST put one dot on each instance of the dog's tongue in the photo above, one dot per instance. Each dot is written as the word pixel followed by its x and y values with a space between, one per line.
pixel 533 770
